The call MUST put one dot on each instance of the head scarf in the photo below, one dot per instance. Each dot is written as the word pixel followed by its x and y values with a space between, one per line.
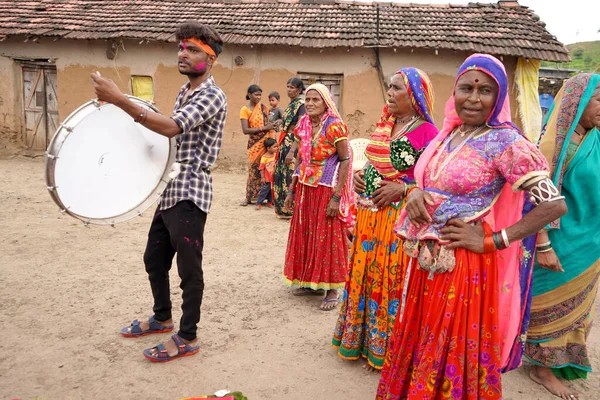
pixel 305 127
pixel 514 270
pixel 563 117
pixel 499 117
pixel 420 92
pixel 304 131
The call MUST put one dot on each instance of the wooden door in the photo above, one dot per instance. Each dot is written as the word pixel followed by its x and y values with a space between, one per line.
pixel 40 105
pixel 331 81
pixel 334 88
pixel 51 104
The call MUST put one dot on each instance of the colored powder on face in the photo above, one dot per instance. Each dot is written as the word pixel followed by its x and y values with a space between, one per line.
pixel 200 66
pixel 184 45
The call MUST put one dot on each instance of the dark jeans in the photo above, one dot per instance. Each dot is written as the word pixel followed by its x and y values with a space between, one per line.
pixel 180 229
pixel 265 193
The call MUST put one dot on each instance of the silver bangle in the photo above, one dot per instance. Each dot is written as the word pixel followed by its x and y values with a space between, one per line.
pixel 548 243
pixel 544 191
pixel 505 238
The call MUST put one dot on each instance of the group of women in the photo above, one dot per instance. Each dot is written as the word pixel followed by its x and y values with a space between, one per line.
pixel 450 229
pixel 256 124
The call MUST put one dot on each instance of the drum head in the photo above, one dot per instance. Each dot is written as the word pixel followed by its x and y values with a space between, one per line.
pixel 104 168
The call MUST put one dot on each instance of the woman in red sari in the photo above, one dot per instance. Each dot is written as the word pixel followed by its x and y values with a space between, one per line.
pixel 255 124
pixel 316 258
pixel 464 227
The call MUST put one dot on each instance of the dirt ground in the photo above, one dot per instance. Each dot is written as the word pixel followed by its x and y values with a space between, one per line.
pixel 66 290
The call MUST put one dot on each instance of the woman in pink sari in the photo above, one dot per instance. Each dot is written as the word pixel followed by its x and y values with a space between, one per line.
pixel 464 227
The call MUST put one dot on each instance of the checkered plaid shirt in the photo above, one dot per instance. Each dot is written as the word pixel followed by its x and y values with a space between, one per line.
pixel 201 117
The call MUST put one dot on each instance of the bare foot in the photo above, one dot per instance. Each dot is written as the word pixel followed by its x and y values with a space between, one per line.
pixel 145 324
pixel 171 346
pixel 330 301
pixel 547 379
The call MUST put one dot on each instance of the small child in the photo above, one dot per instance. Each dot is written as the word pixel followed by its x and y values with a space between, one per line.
pixel 275 114
pixel 267 170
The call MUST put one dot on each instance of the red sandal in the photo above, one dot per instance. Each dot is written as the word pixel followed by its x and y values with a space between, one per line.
pixel 183 350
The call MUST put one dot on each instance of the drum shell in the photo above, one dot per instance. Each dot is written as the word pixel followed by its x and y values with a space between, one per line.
pixel 135 207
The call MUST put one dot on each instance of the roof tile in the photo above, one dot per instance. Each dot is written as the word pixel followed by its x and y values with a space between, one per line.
pixel 505 30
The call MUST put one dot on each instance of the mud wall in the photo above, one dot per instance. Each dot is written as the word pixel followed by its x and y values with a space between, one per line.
pixel 361 100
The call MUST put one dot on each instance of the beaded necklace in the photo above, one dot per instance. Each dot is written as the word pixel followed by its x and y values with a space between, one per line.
pixel 402 131
pixel 406 121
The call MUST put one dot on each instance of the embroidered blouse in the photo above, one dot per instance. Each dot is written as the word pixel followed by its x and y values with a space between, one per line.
pixel 324 159
pixel 466 181
pixel 403 154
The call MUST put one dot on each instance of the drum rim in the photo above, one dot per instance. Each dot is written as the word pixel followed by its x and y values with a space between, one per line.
pixel 54 149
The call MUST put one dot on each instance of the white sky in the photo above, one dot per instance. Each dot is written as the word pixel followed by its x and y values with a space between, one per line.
pixel 569 20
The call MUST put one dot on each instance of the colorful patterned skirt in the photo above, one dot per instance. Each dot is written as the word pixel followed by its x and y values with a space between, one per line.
pixel 373 287
pixel 256 149
pixel 317 249
pixel 447 345
pixel 561 320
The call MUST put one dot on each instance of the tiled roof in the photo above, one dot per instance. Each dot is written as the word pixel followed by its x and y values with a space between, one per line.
pixel 505 28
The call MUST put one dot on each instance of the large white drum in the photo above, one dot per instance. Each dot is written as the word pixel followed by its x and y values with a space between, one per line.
pixel 104 168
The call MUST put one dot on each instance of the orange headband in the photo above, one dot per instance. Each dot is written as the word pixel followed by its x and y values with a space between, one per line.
pixel 207 49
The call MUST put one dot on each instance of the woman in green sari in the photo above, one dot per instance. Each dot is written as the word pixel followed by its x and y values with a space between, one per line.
pixel 567 268
pixel 287 149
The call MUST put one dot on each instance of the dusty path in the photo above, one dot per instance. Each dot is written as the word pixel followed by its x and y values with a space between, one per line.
pixel 66 290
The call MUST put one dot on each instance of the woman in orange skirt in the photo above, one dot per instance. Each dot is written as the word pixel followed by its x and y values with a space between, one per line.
pixel 377 263
pixel 463 227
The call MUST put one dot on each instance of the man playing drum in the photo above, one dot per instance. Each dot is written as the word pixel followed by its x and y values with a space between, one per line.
pixel 178 225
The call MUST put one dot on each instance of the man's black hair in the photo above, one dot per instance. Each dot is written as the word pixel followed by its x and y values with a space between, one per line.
pixel 194 29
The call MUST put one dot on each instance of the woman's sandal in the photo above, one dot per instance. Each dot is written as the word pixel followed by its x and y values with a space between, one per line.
pixel 183 350
pixel 327 304
pixel 244 203
pixel 136 331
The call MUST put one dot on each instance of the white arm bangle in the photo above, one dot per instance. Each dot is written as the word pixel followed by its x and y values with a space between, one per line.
pixel 505 238
pixel 544 251
pixel 544 191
